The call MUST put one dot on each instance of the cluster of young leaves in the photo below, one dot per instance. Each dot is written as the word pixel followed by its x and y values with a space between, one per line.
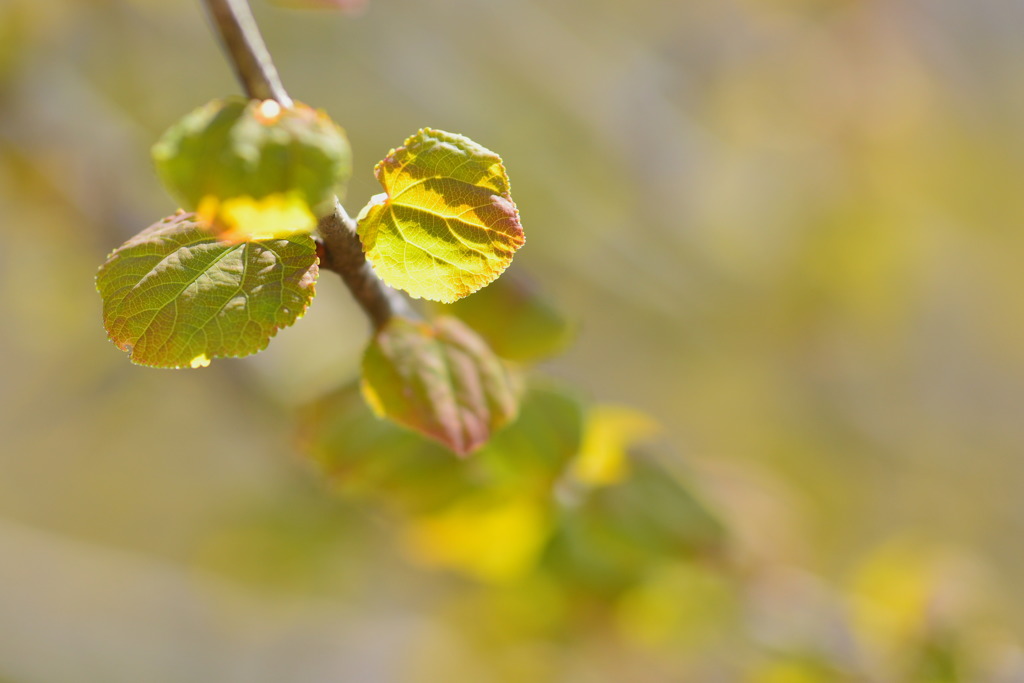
pixel 570 528
pixel 563 489
pixel 239 261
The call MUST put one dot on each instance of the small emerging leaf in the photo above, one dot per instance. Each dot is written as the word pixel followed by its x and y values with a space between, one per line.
pixel 446 224
pixel 252 169
pixel 440 379
pixel 177 296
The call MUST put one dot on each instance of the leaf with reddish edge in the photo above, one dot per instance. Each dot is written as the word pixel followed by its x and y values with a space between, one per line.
pixel 440 379
pixel 446 224
pixel 177 296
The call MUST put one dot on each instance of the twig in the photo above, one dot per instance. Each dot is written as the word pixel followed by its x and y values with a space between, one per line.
pixel 246 50
pixel 343 252
pixel 344 255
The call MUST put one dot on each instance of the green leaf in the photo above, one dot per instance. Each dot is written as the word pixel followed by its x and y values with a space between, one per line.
pixel 446 224
pixel 175 295
pixel 440 379
pixel 534 452
pixel 370 459
pixel 252 169
pixel 609 537
pixel 518 323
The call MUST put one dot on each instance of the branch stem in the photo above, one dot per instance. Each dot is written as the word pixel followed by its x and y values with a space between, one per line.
pixel 246 50
pixel 343 253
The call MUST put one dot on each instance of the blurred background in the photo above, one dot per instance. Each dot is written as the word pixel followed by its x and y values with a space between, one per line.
pixel 787 232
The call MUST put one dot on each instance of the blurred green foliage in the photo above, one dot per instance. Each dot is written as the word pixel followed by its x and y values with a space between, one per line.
pixel 788 232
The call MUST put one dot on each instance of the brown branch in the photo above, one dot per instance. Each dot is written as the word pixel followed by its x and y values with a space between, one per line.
pixel 343 252
pixel 344 255
pixel 246 50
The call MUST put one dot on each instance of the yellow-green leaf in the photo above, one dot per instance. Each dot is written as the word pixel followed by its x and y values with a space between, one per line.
pixel 446 224
pixel 440 379
pixel 252 169
pixel 176 296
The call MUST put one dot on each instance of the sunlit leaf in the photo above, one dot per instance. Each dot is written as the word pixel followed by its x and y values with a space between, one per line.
pixel 246 218
pixel 446 224
pixel 253 169
pixel 176 296
pixel 440 379
pixel 516 320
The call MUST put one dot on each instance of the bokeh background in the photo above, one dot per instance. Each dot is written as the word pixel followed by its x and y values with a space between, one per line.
pixel 788 231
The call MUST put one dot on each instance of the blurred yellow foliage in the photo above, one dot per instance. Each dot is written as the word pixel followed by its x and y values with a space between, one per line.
pixel 790 671
pixel 905 591
pixel 491 540
pixel 681 606
pixel 609 433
